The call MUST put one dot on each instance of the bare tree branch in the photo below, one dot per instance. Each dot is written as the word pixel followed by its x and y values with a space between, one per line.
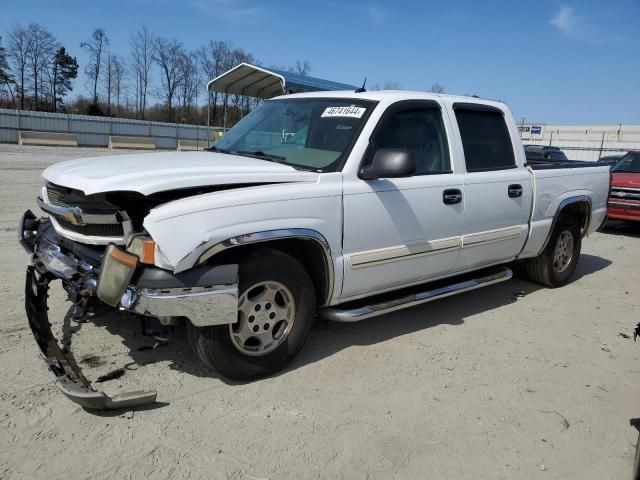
pixel 95 47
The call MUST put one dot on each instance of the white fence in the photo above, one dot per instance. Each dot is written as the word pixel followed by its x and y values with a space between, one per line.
pixel 584 142
pixel 95 131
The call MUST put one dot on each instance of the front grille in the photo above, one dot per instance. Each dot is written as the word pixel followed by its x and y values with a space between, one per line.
pixel 91 204
pixel 69 197
pixel 94 229
pixel 626 194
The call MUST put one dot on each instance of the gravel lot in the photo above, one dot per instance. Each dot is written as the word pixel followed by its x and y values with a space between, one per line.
pixel 482 385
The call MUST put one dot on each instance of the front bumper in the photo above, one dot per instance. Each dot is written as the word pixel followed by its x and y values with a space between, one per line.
pixel 66 376
pixel 205 296
pixel 619 210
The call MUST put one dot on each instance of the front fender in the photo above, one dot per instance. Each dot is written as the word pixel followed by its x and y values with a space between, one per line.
pixel 190 230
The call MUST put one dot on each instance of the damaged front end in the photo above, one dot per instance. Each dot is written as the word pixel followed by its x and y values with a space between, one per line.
pixel 95 278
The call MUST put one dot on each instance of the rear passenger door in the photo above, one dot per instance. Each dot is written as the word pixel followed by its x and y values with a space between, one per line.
pixel 497 193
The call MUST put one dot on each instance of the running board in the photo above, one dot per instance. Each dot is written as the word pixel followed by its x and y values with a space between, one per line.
pixel 356 314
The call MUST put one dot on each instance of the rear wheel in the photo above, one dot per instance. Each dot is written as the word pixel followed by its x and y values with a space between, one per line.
pixel 555 265
pixel 276 306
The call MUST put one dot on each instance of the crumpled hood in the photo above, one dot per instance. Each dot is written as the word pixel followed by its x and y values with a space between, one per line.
pixel 625 179
pixel 148 173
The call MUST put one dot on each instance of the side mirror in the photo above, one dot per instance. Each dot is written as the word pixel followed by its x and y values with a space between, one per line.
pixel 389 163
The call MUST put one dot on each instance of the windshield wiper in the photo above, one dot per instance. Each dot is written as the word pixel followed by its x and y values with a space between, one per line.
pixel 213 148
pixel 261 155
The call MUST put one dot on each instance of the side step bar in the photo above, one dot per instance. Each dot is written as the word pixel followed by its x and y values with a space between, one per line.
pixel 356 314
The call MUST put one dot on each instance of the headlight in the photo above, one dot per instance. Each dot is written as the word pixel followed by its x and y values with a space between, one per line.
pixel 115 274
pixel 144 247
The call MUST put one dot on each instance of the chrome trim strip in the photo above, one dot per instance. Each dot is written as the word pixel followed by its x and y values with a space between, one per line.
pixel 628 206
pixel 490 236
pixel 92 240
pixel 564 203
pixel 204 306
pixel 402 252
pixel 76 216
pixel 354 315
pixel 64 266
pixel 623 194
pixel 206 251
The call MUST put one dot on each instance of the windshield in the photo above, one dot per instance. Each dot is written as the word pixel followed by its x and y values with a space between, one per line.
pixel 305 133
pixel 630 163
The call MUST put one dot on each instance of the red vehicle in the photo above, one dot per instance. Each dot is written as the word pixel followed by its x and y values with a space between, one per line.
pixel 624 199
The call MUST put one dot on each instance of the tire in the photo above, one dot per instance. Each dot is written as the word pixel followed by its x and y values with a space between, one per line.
pixel 547 268
pixel 276 298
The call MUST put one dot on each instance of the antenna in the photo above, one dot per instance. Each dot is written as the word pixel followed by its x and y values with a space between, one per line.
pixel 362 89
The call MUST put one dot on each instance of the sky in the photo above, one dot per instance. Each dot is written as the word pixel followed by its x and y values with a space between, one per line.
pixel 551 61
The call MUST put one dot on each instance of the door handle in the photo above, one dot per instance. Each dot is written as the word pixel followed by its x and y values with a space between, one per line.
pixel 451 196
pixel 515 190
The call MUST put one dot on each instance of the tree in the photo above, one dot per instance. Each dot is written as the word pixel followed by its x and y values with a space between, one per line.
pixel 437 88
pixel 214 60
pixel 18 56
pixel 6 80
pixel 302 67
pixel 188 88
pixel 141 60
pixel 118 85
pixel 107 74
pixel 391 85
pixel 240 102
pixel 387 85
pixel 95 47
pixel 169 56
pixel 64 69
pixel 40 52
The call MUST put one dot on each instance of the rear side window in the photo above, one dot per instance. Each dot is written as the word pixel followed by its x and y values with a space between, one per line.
pixel 485 139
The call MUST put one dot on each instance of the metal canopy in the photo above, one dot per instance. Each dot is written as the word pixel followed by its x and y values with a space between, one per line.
pixel 253 81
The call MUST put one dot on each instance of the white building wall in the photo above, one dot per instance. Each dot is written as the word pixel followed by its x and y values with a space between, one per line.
pixel 584 142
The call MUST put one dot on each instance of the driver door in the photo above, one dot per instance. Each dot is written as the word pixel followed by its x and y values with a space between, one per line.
pixel 401 231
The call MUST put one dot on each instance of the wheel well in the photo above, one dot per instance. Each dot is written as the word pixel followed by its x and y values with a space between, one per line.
pixel 308 252
pixel 581 211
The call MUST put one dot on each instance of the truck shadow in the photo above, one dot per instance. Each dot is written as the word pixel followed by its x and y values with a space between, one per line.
pixel 327 338
pixel 628 229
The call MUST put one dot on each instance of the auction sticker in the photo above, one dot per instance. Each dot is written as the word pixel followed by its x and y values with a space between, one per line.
pixel 352 111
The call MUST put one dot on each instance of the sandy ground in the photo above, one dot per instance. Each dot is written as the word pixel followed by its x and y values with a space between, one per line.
pixel 480 386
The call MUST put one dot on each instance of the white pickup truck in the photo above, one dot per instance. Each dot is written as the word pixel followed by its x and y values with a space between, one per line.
pixel 344 205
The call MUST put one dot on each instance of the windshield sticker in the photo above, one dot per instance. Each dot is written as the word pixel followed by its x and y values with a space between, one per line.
pixel 352 111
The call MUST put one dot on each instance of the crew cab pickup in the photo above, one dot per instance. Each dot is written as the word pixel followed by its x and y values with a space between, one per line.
pixel 345 205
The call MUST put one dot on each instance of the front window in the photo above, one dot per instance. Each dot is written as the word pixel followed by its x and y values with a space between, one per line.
pixel 630 163
pixel 306 133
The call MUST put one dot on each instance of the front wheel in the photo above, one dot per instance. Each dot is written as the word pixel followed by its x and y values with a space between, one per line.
pixel 276 306
pixel 557 262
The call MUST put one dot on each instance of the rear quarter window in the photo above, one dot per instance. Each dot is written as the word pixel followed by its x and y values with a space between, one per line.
pixel 485 139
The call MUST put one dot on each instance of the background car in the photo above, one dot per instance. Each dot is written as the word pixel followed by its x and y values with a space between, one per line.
pixel 624 198
pixel 544 154
pixel 610 160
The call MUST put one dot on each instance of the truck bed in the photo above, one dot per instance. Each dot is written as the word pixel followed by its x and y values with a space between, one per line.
pixel 551 165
